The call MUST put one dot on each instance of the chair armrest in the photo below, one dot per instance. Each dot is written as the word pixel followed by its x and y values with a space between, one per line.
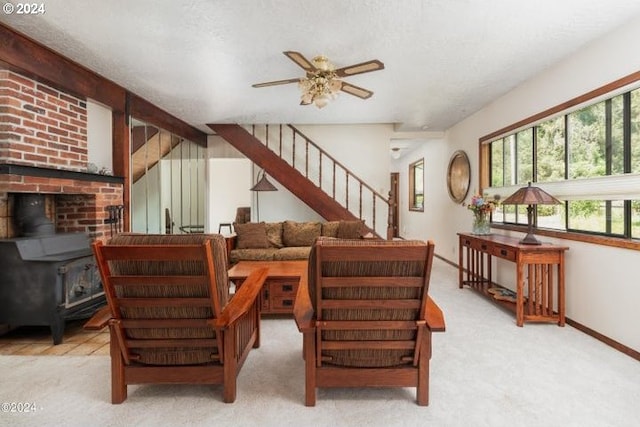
pixel 243 298
pixel 99 320
pixel 302 309
pixel 435 317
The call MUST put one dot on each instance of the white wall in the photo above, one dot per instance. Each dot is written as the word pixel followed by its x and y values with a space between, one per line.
pixel 273 206
pixel 601 292
pixel 427 225
pixel 230 180
pixel 364 149
pixel 99 135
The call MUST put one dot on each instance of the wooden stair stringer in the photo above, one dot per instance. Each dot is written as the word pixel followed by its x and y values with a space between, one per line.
pixel 156 146
pixel 281 171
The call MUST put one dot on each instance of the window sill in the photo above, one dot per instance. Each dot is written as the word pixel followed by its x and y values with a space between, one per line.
pixel 615 242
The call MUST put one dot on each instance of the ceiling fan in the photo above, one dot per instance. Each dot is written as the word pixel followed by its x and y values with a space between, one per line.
pixel 322 82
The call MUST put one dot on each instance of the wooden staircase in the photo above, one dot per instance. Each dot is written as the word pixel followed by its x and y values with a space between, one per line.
pixel 148 147
pixel 310 173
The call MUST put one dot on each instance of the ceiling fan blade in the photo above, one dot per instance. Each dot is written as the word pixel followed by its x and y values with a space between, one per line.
pixel 363 67
pixel 276 82
pixel 299 59
pixel 355 90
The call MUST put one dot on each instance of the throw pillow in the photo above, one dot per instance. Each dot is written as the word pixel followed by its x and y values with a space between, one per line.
pixel 300 233
pixel 252 235
pixel 274 234
pixel 351 229
pixel 330 228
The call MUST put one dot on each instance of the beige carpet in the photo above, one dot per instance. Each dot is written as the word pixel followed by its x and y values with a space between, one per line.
pixel 485 371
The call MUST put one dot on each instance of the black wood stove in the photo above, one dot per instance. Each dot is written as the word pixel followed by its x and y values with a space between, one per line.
pixel 48 279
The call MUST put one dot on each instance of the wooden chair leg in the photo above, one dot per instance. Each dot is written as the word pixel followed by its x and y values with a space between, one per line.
pixel 230 367
pixel 118 383
pixel 229 390
pixel 422 392
pixel 310 369
pixel 256 344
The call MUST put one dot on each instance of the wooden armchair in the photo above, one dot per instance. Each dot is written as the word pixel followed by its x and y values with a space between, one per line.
pixel 367 318
pixel 169 313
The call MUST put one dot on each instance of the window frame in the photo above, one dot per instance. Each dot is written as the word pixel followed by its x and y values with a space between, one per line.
pixel 603 93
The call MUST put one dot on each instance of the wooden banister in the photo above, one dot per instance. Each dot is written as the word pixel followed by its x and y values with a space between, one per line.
pixel 337 163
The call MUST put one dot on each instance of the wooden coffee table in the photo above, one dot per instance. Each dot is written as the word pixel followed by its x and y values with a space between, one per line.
pixel 279 290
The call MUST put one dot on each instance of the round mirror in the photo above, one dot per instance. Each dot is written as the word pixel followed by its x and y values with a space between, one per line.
pixel 458 176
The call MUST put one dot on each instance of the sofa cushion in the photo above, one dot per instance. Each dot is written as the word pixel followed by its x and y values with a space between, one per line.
pixel 330 228
pixel 292 252
pixel 351 229
pixel 300 233
pixel 251 235
pixel 267 254
pixel 274 234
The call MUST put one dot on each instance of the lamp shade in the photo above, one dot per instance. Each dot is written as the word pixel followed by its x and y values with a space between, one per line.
pixel 531 196
pixel 263 184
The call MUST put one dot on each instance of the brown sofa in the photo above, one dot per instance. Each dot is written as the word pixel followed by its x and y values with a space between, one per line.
pixel 287 240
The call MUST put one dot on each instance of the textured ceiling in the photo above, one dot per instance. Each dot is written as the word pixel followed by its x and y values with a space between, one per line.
pixel 444 59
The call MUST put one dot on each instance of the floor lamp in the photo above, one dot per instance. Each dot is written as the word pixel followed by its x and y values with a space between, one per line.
pixel 263 184
pixel 530 196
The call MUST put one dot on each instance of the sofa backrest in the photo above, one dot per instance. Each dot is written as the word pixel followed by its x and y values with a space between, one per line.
pixel 263 235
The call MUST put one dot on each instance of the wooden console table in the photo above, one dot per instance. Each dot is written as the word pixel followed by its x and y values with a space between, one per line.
pixel 536 283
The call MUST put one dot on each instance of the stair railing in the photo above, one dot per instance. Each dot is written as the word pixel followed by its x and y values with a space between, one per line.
pixel 330 175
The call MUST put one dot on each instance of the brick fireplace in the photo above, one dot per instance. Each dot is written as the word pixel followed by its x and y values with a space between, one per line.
pixel 44 149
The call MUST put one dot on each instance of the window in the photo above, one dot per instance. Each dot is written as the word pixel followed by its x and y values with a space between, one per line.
pixel 550 150
pixel 589 158
pixel 416 186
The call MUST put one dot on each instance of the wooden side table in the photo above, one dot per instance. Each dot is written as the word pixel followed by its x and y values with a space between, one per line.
pixel 536 283
pixel 280 289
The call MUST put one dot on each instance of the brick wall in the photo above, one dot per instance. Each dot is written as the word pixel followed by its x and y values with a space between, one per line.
pixel 41 126
pixel 73 205
pixel 45 128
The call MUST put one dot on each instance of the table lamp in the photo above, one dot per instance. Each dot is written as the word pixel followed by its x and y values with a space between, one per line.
pixel 530 196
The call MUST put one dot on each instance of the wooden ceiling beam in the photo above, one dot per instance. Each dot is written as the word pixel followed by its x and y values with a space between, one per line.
pixel 25 55
pixel 38 61
pixel 145 111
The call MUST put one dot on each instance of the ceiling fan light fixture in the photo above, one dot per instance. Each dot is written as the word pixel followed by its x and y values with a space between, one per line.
pixel 322 63
pixel 322 82
pixel 306 99
pixel 320 88
pixel 322 100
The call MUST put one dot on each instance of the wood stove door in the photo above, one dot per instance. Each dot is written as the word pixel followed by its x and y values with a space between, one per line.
pixel 81 281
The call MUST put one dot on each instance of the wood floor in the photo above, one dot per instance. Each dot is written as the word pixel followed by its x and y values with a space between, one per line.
pixel 36 340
